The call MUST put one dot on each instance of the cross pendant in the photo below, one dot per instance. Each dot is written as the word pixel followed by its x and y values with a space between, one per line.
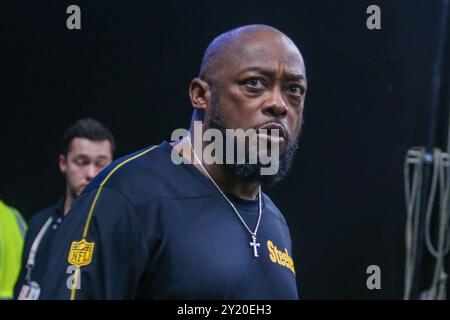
pixel 255 246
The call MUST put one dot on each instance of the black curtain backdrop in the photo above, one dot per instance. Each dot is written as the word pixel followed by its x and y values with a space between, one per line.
pixel 130 67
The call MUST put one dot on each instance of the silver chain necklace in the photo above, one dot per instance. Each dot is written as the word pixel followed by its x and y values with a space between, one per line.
pixel 255 245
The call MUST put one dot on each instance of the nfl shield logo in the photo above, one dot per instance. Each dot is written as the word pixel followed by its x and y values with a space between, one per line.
pixel 81 253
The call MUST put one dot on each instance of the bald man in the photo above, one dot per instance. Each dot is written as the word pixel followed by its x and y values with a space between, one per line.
pixel 153 227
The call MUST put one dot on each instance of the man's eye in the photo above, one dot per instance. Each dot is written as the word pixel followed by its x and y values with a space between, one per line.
pixel 102 164
pixel 81 162
pixel 254 82
pixel 296 89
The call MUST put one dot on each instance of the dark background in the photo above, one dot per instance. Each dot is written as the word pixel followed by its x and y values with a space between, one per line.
pixel 130 67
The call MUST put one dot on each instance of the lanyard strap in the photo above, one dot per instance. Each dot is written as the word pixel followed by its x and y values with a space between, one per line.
pixel 35 246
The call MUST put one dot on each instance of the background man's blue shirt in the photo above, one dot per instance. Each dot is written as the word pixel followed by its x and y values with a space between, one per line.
pixel 56 212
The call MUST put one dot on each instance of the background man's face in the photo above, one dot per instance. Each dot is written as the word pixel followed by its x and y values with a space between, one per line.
pixel 265 82
pixel 84 161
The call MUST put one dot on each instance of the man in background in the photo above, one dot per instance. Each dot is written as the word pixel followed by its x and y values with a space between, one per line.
pixel 87 147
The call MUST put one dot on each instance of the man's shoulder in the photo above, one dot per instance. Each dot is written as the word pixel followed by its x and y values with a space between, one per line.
pixel 39 218
pixel 129 168
pixel 138 176
pixel 270 205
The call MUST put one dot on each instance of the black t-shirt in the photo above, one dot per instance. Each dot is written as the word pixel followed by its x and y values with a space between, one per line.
pixel 146 228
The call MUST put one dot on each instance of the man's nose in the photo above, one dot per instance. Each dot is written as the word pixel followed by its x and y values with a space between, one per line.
pixel 276 105
pixel 91 172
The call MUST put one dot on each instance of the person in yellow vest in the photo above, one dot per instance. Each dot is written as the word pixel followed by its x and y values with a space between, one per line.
pixel 12 233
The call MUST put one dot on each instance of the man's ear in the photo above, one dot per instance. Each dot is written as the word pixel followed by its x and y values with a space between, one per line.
pixel 62 161
pixel 200 93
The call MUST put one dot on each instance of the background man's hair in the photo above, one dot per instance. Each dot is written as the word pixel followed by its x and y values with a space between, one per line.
pixel 87 128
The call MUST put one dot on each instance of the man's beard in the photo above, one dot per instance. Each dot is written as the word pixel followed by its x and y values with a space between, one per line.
pixel 250 172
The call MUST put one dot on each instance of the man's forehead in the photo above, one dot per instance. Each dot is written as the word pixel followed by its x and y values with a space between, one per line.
pixel 89 147
pixel 270 52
